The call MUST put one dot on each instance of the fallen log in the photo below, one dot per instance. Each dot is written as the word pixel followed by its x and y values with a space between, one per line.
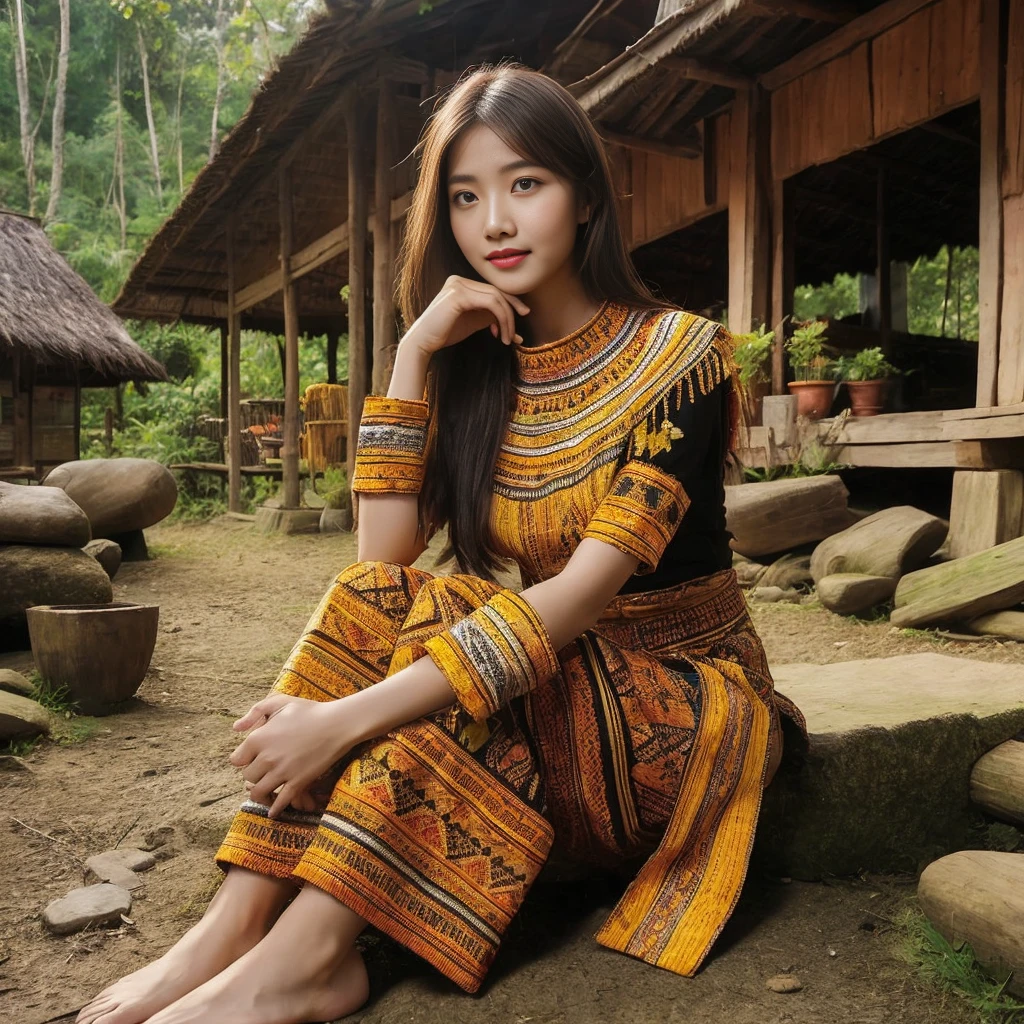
pixel 997 782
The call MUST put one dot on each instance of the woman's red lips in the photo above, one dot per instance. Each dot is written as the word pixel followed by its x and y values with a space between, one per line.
pixel 505 259
pixel 501 253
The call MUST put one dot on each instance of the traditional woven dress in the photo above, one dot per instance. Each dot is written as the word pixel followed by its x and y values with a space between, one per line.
pixel 647 736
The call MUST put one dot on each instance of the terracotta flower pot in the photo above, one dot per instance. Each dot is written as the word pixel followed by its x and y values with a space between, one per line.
pixel 813 397
pixel 98 653
pixel 867 397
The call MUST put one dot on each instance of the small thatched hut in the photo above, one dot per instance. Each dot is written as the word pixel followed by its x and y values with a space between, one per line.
pixel 56 337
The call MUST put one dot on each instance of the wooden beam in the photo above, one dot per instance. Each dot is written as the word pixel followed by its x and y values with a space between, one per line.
pixel 710 71
pixel 384 327
pixel 358 368
pixel 933 455
pixel 290 448
pixel 833 12
pixel 990 213
pixel 783 274
pixel 749 235
pixel 686 152
pixel 844 39
pixel 983 412
pixel 979 429
pixel 233 448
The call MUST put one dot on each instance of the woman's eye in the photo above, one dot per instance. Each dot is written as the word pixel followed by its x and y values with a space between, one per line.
pixel 528 184
pixel 462 198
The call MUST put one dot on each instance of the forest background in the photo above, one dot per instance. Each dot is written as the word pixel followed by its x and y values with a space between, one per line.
pixel 109 109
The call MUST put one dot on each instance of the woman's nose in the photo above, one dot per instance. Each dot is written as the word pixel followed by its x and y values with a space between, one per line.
pixel 499 223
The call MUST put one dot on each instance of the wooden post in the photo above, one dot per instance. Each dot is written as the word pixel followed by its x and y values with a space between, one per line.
pixel 384 328
pixel 358 370
pixel 224 370
pixel 883 263
pixel 332 354
pixel 290 448
pixel 233 448
pixel 749 236
pixel 782 279
pixel 990 213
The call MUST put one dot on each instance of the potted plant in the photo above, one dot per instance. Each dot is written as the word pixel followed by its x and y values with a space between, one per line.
pixel 866 375
pixel 752 354
pixel 814 386
pixel 337 514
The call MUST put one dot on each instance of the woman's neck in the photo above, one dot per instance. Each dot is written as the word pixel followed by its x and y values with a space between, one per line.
pixel 557 308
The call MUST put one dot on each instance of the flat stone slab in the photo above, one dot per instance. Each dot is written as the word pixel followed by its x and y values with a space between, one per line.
pixel 91 905
pixel 120 867
pixel 884 785
pixel 287 520
pixel 21 717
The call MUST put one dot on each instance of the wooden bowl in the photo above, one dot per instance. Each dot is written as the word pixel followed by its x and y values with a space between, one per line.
pixel 98 653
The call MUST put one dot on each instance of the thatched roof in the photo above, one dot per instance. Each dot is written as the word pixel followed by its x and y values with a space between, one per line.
pixel 50 313
pixel 295 113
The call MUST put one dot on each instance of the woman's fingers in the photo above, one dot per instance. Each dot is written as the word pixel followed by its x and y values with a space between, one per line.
pixel 283 799
pixel 259 712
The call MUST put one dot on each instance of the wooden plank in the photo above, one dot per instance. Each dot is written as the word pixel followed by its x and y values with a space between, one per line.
pixel 1010 382
pixel 783 275
pixel 832 12
pixel 986 510
pixel 888 428
pixel 842 41
pixel 983 412
pixel 954 73
pixel 290 429
pixel 650 145
pixel 233 449
pixel 1013 169
pixel 900 60
pixel 932 455
pixel 358 199
pixel 990 214
pixel 993 426
pixel 713 72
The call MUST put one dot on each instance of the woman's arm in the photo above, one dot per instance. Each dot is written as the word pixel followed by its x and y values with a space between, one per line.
pixel 298 740
pixel 389 523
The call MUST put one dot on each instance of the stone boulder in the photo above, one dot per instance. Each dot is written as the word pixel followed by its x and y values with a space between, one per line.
pixel 15 682
pixel 977 896
pixel 38 575
pixel 107 553
pixel 118 495
pixel 788 572
pixel 889 543
pixel 21 717
pixel 847 593
pixel 91 905
pixel 41 515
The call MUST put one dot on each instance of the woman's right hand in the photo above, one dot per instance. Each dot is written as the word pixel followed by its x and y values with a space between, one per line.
pixel 461 308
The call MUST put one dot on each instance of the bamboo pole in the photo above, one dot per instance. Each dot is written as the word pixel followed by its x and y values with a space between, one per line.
pixel 233 449
pixel 358 370
pixel 385 335
pixel 290 448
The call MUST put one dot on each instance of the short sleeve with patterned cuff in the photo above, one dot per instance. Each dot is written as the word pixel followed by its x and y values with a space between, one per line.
pixel 648 498
pixel 391 445
pixel 499 652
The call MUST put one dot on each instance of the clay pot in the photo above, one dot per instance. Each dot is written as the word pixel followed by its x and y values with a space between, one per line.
pixel 813 397
pixel 336 520
pixel 867 397
pixel 98 653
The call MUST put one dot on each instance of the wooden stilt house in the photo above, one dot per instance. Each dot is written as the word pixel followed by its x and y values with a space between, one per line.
pixel 758 144
pixel 56 338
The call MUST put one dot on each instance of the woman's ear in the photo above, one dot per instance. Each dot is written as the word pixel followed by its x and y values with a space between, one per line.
pixel 583 211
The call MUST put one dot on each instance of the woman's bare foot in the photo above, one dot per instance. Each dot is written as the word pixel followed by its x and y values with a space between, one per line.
pixel 306 969
pixel 239 916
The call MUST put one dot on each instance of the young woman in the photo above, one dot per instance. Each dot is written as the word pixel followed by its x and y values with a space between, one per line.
pixel 431 737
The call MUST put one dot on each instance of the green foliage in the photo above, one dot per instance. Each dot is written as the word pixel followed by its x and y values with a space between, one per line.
pixel 336 491
pixel 955 969
pixel 806 350
pixel 868 364
pixel 54 698
pixel 752 353
pixel 833 301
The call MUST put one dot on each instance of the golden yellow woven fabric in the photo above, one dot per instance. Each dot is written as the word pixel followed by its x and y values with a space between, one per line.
pixel 390 447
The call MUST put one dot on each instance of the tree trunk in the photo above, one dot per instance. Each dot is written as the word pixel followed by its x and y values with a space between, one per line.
pixel 118 182
pixel 59 104
pixel 180 144
pixel 153 146
pixel 25 114
pixel 221 26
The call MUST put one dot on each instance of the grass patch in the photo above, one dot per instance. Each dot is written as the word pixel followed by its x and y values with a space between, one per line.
pixel 55 699
pixel 76 729
pixel 20 748
pixel 910 633
pixel 955 969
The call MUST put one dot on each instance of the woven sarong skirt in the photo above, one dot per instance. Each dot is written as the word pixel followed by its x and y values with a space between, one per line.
pixel 651 741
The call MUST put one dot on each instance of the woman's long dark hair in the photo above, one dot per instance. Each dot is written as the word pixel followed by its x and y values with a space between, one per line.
pixel 470 385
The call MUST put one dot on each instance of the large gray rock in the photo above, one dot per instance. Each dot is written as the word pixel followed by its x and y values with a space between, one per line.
pixel 107 553
pixel 41 515
pixel 15 682
pixel 120 867
pixel 38 575
pixel 889 543
pixel 847 593
pixel 977 896
pixel 118 495
pixel 92 905
pixel 21 718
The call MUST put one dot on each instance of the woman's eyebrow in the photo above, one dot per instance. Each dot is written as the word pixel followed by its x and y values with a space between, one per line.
pixel 516 165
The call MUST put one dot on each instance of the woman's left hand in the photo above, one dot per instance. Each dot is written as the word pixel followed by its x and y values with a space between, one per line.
pixel 293 742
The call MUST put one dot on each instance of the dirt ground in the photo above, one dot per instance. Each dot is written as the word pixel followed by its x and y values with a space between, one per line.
pixel 231 604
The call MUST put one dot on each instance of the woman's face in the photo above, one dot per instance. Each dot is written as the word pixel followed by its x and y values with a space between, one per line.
pixel 514 220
